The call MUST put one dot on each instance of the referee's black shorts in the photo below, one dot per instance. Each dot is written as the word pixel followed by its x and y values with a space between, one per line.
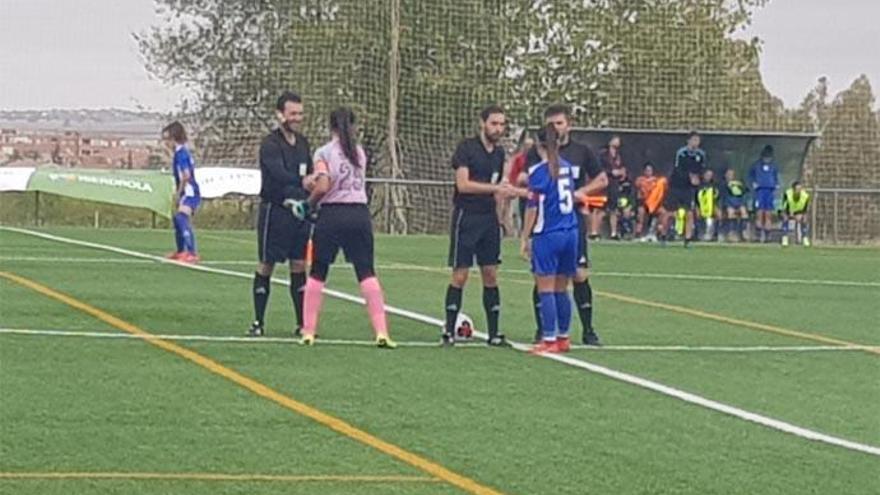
pixel 280 235
pixel 474 235
pixel 347 227
pixel 681 197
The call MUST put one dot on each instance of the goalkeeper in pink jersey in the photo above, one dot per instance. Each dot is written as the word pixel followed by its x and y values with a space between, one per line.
pixel 343 222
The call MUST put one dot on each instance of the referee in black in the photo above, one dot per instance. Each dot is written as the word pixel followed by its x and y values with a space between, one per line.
pixel 589 178
pixel 476 231
pixel 285 162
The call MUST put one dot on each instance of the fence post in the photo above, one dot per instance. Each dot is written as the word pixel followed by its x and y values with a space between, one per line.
pixel 834 218
pixel 386 199
pixel 814 228
pixel 97 219
pixel 153 220
pixel 37 209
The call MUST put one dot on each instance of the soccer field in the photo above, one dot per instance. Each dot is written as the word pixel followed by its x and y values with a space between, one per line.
pixel 727 369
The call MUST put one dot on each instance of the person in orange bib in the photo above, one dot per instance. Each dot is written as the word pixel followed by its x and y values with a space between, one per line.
pixel 651 190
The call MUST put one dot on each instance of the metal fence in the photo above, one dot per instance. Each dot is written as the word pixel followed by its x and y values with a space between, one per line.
pixel 845 215
pixel 403 207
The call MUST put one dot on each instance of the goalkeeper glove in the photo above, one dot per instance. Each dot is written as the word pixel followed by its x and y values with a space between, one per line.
pixel 301 209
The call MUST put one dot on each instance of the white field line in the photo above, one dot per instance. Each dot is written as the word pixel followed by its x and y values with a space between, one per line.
pixel 368 343
pixel 412 267
pixel 122 261
pixel 638 275
pixel 665 276
pixel 567 360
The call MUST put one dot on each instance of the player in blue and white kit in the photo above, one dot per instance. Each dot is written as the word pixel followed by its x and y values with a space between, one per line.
pixel 550 238
pixel 764 176
pixel 186 194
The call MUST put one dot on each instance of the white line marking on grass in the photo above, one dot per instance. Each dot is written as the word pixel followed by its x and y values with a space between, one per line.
pixel 570 361
pixel 412 267
pixel 666 276
pixel 370 343
pixel 212 338
pixel 51 259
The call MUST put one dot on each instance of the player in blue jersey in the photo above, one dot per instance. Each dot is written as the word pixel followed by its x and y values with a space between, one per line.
pixel 550 239
pixel 764 176
pixel 186 194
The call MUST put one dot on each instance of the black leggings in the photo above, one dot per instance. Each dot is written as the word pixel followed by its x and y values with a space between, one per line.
pixel 347 227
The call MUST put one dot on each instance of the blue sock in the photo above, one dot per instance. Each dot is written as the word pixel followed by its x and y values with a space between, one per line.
pixel 785 227
pixel 805 229
pixel 186 233
pixel 563 312
pixel 178 234
pixel 548 315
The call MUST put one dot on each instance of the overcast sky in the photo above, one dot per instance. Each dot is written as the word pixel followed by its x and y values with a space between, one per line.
pixel 80 53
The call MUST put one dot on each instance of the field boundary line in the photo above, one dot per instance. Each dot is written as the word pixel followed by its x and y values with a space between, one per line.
pixel 670 276
pixel 147 476
pixel 578 363
pixel 419 344
pixel 407 266
pixel 467 484
pixel 53 259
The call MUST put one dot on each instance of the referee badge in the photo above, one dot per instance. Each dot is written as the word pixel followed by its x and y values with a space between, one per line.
pixel 303 169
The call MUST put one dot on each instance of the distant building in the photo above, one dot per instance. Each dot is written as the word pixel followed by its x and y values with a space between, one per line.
pixel 75 149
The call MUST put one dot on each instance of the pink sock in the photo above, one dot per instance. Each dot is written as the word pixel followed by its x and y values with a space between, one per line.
pixel 372 292
pixel 312 298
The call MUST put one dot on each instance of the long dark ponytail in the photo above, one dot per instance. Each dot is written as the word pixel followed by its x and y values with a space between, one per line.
pixel 548 140
pixel 342 123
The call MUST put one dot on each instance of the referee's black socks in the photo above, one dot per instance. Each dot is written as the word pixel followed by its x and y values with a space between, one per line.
pixel 583 299
pixel 297 285
pixel 536 306
pixel 261 296
pixel 453 306
pixel 492 305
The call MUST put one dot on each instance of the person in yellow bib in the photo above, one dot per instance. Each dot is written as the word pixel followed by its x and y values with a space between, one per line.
pixel 795 202
pixel 707 205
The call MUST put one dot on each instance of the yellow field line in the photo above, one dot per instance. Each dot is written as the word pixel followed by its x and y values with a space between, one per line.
pixel 762 327
pixel 218 477
pixel 815 337
pixel 258 388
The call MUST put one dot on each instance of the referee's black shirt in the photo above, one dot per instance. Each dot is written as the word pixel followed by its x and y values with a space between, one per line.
pixel 578 155
pixel 483 166
pixel 282 167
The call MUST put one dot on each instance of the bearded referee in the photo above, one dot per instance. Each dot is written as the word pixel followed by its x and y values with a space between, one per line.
pixel 589 178
pixel 476 230
pixel 285 164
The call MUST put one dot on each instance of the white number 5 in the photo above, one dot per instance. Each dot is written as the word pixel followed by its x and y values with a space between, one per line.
pixel 566 201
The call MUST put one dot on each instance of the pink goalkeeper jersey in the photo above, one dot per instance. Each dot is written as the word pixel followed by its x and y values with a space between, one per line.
pixel 347 184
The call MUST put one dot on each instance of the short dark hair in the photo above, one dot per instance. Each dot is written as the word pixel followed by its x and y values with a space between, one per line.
pixel 767 152
pixel 693 133
pixel 287 96
pixel 175 131
pixel 557 109
pixel 648 164
pixel 490 110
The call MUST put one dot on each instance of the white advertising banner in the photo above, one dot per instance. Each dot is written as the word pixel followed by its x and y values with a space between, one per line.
pixel 216 182
pixel 15 178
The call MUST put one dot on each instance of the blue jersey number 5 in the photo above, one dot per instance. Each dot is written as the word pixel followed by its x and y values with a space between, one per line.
pixel 566 201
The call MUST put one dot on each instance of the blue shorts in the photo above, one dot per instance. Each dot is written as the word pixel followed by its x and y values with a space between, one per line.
pixel 764 199
pixel 191 201
pixel 555 253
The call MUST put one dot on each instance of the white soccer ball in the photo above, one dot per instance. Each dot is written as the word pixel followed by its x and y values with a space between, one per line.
pixel 464 327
